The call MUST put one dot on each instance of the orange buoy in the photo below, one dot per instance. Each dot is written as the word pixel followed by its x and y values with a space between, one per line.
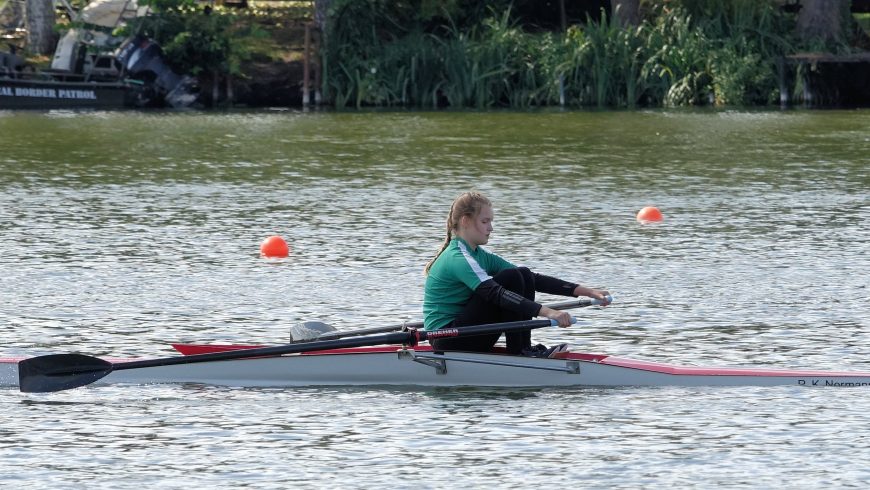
pixel 274 246
pixel 649 214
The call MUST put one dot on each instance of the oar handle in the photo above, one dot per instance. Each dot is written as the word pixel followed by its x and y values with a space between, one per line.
pixel 598 302
pixel 555 323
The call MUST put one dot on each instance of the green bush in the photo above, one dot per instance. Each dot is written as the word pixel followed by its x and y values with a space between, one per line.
pixel 198 39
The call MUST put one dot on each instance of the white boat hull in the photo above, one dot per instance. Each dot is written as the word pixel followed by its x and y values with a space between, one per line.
pixel 422 367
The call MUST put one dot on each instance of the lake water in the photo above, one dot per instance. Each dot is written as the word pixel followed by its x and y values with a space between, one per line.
pixel 121 232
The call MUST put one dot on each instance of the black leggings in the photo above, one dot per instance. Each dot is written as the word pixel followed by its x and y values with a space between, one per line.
pixel 479 312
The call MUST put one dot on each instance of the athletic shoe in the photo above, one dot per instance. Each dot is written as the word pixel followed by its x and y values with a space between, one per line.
pixel 539 350
pixel 552 351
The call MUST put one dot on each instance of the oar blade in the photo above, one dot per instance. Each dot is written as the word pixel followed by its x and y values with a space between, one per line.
pixel 309 331
pixel 58 372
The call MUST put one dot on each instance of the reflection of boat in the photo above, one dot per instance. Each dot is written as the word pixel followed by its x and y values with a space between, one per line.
pixel 93 69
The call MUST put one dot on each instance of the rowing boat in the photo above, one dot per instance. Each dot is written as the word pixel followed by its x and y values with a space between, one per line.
pixel 399 365
pixel 399 359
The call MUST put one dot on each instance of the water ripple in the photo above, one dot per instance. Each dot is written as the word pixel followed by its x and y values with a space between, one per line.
pixel 127 231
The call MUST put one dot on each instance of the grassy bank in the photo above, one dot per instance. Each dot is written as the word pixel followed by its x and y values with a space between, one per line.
pixel 684 52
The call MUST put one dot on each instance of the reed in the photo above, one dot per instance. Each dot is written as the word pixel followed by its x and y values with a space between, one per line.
pixel 685 52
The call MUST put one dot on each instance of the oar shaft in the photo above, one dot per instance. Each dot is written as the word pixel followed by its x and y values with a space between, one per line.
pixel 564 305
pixel 411 338
pixel 506 327
pixel 393 338
pixel 367 331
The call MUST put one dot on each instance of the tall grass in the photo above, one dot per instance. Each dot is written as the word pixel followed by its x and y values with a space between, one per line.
pixel 605 60
pixel 685 52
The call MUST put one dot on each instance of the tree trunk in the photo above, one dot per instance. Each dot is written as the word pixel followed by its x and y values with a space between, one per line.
pixel 626 12
pixel 321 10
pixel 39 21
pixel 215 88
pixel 821 20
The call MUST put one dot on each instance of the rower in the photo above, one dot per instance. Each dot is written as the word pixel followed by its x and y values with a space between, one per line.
pixel 468 285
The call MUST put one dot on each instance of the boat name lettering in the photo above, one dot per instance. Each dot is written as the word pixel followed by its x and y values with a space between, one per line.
pixel 831 382
pixel 444 332
pixel 76 94
pixel 48 93
pixel 45 93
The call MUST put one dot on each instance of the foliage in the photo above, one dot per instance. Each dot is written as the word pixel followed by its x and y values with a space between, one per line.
pixel 197 38
pixel 426 53
pixel 605 61
pixel 679 62
pixel 746 38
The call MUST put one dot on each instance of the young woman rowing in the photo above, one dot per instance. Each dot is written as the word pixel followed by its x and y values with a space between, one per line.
pixel 467 285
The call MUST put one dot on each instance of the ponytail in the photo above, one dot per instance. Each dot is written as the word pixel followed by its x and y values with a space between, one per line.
pixel 467 204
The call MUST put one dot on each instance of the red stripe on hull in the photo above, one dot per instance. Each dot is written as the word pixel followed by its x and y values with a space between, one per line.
pixel 658 367
pixel 193 349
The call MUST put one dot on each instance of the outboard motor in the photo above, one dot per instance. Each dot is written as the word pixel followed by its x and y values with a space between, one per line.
pixel 10 62
pixel 142 59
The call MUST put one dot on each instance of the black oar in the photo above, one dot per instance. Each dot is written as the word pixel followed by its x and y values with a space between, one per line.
pixel 58 372
pixel 564 305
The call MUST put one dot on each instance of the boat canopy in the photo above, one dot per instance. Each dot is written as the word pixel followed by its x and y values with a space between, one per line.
pixel 111 13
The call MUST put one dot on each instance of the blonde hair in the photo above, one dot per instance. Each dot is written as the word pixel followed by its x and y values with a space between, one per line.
pixel 467 204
